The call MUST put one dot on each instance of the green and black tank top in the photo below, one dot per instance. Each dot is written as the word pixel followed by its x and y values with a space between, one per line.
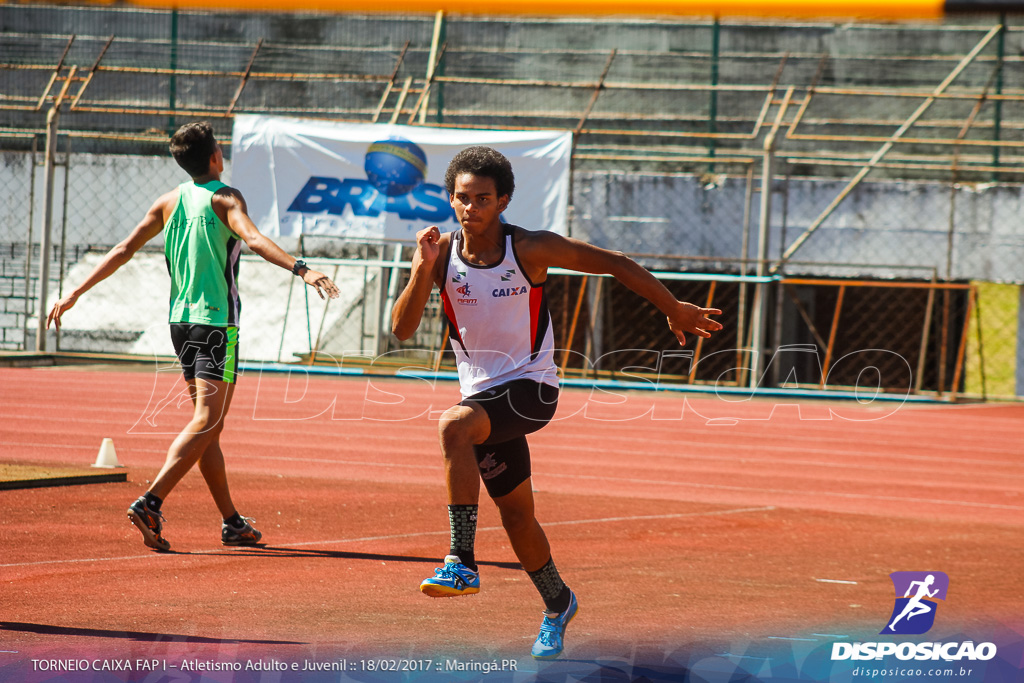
pixel 202 259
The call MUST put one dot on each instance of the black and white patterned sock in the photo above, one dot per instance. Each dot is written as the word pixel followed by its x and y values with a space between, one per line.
pixel 462 519
pixel 551 587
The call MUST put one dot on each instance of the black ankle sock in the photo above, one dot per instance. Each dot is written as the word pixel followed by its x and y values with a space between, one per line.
pixel 153 502
pixel 561 603
pixel 466 557
pixel 551 587
pixel 235 521
pixel 462 519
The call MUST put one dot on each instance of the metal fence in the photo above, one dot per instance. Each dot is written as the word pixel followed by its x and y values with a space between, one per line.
pixel 17 285
pixel 892 153
pixel 944 100
pixel 918 321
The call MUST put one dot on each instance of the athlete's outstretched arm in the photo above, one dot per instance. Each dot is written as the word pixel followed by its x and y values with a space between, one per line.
pixel 408 310
pixel 230 207
pixel 545 250
pixel 148 228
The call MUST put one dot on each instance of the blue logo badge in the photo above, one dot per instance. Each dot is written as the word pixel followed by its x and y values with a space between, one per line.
pixel 916 593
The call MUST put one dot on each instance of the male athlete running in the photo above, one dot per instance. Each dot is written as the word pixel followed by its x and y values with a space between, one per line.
pixel 491 276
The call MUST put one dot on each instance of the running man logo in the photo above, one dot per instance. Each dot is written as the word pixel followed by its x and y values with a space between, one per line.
pixel 465 297
pixel 490 467
pixel 916 592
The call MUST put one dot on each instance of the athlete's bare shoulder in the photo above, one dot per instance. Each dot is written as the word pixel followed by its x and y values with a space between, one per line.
pixel 228 196
pixel 169 197
pixel 533 248
pixel 535 243
pixel 531 237
pixel 229 205
pixel 165 204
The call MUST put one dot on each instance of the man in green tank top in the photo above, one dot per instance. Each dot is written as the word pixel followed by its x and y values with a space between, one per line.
pixel 205 223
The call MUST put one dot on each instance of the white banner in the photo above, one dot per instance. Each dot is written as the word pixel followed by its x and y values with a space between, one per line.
pixel 380 180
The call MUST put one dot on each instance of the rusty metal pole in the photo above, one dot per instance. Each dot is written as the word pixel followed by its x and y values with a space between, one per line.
pixel 45 240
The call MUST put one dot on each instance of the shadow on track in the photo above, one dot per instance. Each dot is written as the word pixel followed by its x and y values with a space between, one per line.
pixel 262 550
pixel 46 629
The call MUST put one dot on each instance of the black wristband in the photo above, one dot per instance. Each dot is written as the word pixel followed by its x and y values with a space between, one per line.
pixel 299 265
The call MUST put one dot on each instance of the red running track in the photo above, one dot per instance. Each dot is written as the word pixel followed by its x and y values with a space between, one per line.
pixel 678 519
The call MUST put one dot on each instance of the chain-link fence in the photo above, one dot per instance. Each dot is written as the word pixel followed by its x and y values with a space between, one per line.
pixel 603 327
pixel 894 153
pixel 847 335
pixel 659 95
pixel 17 277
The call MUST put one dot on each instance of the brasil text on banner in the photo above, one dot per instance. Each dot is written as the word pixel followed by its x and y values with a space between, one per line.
pixel 301 176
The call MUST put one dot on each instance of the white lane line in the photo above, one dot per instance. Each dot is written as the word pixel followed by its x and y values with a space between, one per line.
pixel 392 537
pixel 820 494
pixel 904 461
pixel 765 508
pixel 83 560
pixel 852 583
pixel 243 456
pixel 602 520
pixel 435 467
pixel 806 640
pixel 659 482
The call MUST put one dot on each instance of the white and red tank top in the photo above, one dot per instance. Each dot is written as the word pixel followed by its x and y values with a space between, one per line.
pixel 498 320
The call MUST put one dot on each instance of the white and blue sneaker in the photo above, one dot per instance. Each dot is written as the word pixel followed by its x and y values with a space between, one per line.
pixel 454 578
pixel 550 640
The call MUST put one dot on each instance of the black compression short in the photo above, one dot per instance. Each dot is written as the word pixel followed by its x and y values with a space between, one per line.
pixel 515 409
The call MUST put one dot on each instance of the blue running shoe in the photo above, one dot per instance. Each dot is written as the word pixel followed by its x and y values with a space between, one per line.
pixel 550 640
pixel 454 578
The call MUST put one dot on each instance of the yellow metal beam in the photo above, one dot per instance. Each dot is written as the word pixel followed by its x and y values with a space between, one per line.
pixel 862 9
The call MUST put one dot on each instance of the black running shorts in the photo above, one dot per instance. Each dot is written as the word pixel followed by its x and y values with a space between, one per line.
pixel 515 409
pixel 206 352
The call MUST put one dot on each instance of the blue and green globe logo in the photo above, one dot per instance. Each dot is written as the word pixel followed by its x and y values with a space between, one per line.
pixel 395 166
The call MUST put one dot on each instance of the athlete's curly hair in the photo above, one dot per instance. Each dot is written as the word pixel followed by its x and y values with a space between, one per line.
pixel 192 145
pixel 485 162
